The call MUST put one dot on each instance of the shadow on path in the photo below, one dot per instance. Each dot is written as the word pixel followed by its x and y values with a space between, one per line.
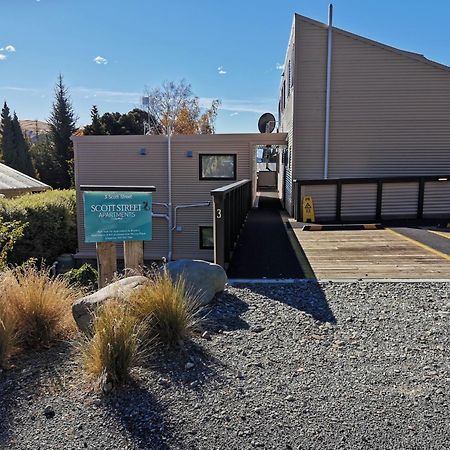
pixel 306 296
pixel 142 417
pixel 264 249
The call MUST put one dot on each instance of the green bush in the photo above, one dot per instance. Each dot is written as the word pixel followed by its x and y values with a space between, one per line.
pixel 86 276
pixel 51 224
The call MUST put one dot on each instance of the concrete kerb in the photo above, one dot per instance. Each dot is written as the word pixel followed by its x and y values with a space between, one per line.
pixel 238 281
pixel 343 227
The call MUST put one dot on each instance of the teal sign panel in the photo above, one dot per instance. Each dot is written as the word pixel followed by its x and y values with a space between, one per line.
pixel 117 216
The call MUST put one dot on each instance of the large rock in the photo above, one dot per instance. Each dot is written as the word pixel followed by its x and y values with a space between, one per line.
pixel 83 310
pixel 203 279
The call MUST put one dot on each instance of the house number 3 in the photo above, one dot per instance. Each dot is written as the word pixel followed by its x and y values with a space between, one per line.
pixel 218 213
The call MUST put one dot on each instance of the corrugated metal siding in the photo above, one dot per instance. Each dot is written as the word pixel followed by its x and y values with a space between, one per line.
pixel 287 119
pixel 324 200
pixel 359 201
pixel 11 180
pixel 437 199
pixel 399 200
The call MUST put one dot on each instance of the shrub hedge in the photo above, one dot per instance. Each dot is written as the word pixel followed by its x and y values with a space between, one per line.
pixel 51 224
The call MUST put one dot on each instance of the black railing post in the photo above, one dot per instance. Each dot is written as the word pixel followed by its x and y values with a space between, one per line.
pixel 420 198
pixel 219 228
pixel 338 201
pixel 379 200
pixel 231 205
pixel 299 201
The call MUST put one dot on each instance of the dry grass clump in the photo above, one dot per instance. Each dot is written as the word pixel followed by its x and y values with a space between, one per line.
pixel 116 345
pixel 168 308
pixel 7 333
pixel 39 304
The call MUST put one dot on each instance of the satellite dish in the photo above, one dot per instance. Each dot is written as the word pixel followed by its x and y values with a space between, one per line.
pixel 266 123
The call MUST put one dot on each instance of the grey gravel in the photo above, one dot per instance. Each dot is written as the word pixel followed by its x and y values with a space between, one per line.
pixel 334 366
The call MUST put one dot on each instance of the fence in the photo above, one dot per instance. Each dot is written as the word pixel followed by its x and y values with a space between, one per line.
pixel 231 205
pixel 379 198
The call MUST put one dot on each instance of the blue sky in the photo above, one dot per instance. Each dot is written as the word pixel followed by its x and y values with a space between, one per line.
pixel 144 42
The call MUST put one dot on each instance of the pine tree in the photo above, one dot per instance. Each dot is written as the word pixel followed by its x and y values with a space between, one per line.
pixel 62 125
pixel 96 127
pixel 23 161
pixel 7 131
pixel 44 160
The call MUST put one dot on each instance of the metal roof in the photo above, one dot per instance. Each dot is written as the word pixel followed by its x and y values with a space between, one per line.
pixel 13 180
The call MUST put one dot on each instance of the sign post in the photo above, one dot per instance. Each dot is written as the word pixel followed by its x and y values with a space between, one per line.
pixel 117 214
pixel 106 262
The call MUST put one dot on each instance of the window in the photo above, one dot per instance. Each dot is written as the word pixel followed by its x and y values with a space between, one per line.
pixel 217 167
pixel 206 238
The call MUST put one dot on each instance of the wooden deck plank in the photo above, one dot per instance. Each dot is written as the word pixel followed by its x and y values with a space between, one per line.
pixel 369 254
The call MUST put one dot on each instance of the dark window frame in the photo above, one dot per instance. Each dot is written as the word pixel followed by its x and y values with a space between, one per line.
pixel 200 167
pixel 200 238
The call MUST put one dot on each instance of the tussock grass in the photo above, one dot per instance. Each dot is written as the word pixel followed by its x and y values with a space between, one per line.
pixel 40 305
pixel 116 345
pixel 7 333
pixel 168 307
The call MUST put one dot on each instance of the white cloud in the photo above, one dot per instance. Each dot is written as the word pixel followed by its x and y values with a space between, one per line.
pixel 2 57
pixel 221 70
pixel 279 66
pixel 234 114
pixel 21 89
pixel 261 105
pixel 10 49
pixel 100 60
pixel 109 96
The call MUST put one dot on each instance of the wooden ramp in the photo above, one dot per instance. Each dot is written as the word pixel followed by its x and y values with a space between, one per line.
pixel 378 254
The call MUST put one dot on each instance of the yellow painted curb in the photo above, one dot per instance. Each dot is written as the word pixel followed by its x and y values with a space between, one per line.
pixel 440 233
pixel 419 244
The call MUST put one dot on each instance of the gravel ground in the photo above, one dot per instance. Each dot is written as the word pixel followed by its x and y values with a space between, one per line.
pixel 310 366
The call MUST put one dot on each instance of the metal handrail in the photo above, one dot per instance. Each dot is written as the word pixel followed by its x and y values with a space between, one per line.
pixel 231 205
pixel 229 187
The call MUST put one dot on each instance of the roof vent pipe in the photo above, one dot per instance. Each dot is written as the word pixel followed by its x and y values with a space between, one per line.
pixel 328 91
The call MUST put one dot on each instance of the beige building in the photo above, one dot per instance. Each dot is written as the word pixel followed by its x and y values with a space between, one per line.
pixel 364 129
pixel 199 164
pixel 388 116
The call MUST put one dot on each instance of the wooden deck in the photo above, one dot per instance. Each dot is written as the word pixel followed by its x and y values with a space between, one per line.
pixel 370 254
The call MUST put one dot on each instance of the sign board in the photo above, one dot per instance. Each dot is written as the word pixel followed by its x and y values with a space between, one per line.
pixel 117 216
pixel 308 209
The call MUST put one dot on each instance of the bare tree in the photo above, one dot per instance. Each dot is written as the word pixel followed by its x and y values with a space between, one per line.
pixel 175 109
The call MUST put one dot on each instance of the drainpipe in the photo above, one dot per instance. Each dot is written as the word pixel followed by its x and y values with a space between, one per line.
pixel 169 205
pixel 328 92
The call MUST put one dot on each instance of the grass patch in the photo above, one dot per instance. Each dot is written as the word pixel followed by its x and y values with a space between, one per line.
pixel 116 345
pixel 168 307
pixel 40 305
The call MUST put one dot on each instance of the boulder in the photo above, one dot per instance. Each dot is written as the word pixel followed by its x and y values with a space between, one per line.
pixel 83 309
pixel 203 279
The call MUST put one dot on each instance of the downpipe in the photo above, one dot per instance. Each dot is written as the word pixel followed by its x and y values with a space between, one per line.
pixel 328 92
pixel 169 205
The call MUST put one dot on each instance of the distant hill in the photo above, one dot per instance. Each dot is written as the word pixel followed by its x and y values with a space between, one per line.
pixel 33 127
